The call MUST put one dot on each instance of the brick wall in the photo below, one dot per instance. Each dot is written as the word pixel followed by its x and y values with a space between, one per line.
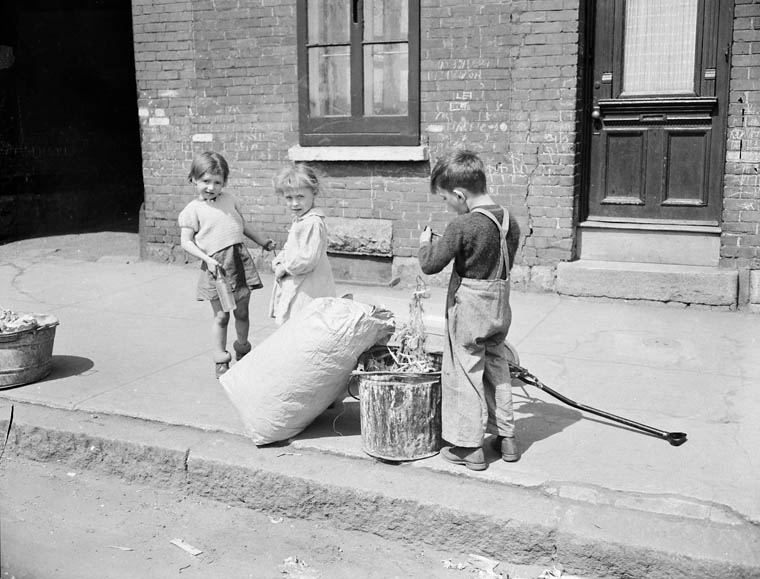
pixel 499 77
pixel 741 210
pixel 502 78
pixel 165 71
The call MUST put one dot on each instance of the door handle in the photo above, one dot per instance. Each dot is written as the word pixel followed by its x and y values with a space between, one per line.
pixel 596 120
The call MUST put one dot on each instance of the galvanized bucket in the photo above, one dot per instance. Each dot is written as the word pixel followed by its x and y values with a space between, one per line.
pixel 400 414
pixel 27 356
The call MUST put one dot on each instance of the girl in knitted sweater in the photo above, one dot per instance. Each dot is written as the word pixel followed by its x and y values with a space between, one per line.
pixel 213 229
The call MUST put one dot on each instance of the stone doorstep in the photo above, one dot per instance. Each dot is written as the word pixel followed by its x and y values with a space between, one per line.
pixel 467 513
pixel 678 245
pixel 687 284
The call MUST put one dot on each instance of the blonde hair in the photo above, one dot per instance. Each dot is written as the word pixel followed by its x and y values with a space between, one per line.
pixel 296 176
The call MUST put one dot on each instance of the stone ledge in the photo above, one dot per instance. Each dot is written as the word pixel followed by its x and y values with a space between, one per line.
pixel 360 236
pixel 754 289
pixel 418 153
pixel 680 247
pixel 685 284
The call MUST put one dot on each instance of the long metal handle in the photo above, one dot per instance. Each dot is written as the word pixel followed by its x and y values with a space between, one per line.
pixel 674 438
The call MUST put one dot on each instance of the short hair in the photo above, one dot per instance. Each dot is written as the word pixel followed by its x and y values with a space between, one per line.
pixel 296 176
pixel 460 168
pixel 209 162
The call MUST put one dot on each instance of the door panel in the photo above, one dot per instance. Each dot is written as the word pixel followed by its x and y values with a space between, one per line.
pixel 625 182
pixel 686 158
pixel 657 129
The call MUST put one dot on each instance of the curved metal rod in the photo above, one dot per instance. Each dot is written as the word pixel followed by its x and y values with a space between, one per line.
pixel 674 438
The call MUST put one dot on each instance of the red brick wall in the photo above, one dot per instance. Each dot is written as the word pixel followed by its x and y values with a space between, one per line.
pixel 741 210
pixel 499 77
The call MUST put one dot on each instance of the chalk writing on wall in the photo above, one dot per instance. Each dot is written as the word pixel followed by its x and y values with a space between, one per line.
pixel 748 134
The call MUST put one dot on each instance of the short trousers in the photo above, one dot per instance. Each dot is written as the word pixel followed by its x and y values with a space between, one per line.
pixel 239 269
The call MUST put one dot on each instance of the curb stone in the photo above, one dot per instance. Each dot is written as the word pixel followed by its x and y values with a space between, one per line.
pixel 397 502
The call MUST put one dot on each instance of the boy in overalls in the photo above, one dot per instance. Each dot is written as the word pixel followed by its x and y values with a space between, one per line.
pixel 482 240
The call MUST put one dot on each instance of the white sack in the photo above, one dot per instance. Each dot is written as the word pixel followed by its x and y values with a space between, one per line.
pixel 289 379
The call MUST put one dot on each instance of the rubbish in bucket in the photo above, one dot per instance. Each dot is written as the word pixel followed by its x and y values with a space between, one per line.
pixel 400 392
pixel 26 347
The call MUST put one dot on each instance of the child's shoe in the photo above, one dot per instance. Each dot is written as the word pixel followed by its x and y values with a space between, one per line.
pixel 222 364
pixel 472 458
pixel 507 446
pixel 241 350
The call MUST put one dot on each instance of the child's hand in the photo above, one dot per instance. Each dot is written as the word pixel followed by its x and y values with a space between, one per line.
pixel 213 265
pixel 426 236
pixel 279 272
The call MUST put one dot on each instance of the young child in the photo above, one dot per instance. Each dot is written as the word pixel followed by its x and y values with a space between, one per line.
pixel 214 230
pixel 302 271
pixel 482 240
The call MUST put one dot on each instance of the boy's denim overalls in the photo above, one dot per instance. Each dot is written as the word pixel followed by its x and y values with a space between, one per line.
pixel 475 379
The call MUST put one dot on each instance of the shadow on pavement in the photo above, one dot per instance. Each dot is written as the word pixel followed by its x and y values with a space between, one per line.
pixel 341 420
pixel 537 420
pixel 67 366
pixel 62 367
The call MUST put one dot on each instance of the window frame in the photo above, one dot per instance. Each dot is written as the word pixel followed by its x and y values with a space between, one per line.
pixel 359 130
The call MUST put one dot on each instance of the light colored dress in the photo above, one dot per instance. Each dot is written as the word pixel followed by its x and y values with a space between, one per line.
pixel 304 259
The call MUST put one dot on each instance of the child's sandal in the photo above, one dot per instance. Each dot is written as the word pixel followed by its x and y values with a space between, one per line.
pixel 220 367
pixel 241 350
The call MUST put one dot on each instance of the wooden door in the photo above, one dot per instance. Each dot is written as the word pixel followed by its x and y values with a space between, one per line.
pixel 656 116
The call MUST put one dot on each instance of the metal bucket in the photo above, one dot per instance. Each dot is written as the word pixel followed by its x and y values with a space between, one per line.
pixel 400 414
pixel 27 356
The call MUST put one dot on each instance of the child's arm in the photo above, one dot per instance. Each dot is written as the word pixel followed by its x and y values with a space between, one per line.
pixel 433 257
pixel 513 239
pixel 187 237
pixel 304 248
pixel 250 233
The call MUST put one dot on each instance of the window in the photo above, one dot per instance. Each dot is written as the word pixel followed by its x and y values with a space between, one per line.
pixel 660 40
pixel 358 68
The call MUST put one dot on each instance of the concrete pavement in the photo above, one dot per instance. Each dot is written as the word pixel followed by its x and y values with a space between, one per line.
pixel 132 392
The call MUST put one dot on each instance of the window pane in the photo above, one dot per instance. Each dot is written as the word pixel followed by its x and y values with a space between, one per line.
pixel 329 81
pixel 386 70
pixel 386 20
pixel 329 21
pixel 660 46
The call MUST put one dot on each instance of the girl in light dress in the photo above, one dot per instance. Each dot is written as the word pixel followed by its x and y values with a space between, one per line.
pixel 302 271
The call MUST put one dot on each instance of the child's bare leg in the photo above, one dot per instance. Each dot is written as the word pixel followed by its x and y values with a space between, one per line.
pixel 219 332
pixel 242 326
